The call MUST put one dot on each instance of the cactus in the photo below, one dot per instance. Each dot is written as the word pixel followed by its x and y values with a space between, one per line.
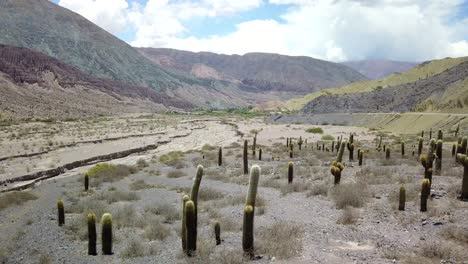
pixel 194 193
pixel 428 160
pixel 463 159
pixel 402 200
pixel 425 191
pixel 454 150
pixel 299 143
pixel 260 154
pixel 438 161
pixel 379 147
pixel 106 235
pixel 360 157
pixel 422 134
pixel 457 130
pixel 350 147
pixel 464 145
pixel 220 157
pixel 217 231
pixel 253 185
pixel 248 231
pixel 440 135
pixel 430 133
pixel 387 153
pixel 336 170
pixel 61 212
pixel 246 161
pixel 290 172
pixel 86 182
pixel 92 236
pixel 323 146
pixel 291 154
pixel 384 148
pixel 185 199
pixel 420 145
pixel 191 227
pixel 254 146
pixel 339 158
pixel 287 142
pixel 333 146
pixel 402 149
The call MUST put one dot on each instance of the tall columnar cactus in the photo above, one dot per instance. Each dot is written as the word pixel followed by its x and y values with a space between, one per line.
pixel 248 231
pixel 191 227
pixel 425 191
pixel 194 193
pixel 454 150
pixel 260 154
pixel 220 156
pixel 422 134
pixel 402 200
pixel 463 159
pixel 92 236
pixel 387 153
pixel 246 158
pixel 438 161
pixel 402 149
pixel 379 147
pixel 86 182
pixel 430 133
pixel 457 130
pixel 360 157
pixel 384 147
pixel 106 234
pixel 339 158
pixel 254 145
pixel 299 143
pixel 350 147
pixel 287 142
pixel 61 212
pixel 323 146
pixel 290 172
pixel 464 145
pixel 291 154
pixel 185 199
pixel 217 231
pixel 440 135
pixel 420 146
pixel 333 146
pixel 427 160
pixel 249 212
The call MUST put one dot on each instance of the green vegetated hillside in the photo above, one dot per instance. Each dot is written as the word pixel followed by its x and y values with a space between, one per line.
pixel 420 72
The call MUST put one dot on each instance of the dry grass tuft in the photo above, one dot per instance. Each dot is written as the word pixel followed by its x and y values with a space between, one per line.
pixel 176 174
pixel 349 216
pixel 350 194
pixel 15 198
pixel 281 240
pixel 140 185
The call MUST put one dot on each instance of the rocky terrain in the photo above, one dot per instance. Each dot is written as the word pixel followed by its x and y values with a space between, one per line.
pixel 309 220
pixel 377 69
pixel 401 98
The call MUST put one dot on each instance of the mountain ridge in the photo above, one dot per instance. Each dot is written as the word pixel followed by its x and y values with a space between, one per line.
pixel 377 69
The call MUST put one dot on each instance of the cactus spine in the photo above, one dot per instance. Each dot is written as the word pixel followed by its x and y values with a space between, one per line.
pixel 61 212
pixel 191 227
pixel 260 154
pixel 463 159
pixel 86 182
pixel 217 231
pixel 185 199
pixel 290 172
pixel 92 236
pixel 438 161
pixel 402 200
pixel 248 223
pixel 246 161
pixel 194 194
pixel 106 235
pixel 425 191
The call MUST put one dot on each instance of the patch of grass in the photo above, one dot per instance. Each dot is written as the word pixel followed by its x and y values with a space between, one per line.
pixel 176 174
pixel 105 172
pixel 133 249
pixel 320 188
pixel 172 158
pixel 314 130
pixel 281 240
pixel 15 198
pixel 350 194
pixel 117 196
pixel 328 137
pixel 155 230
pixel 455 233
pixel 140 185
pixel 168 211
pixel 348 216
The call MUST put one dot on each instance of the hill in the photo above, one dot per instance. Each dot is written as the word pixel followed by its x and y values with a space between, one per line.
pixel 264 71
pixel 377 69
pixel 422 71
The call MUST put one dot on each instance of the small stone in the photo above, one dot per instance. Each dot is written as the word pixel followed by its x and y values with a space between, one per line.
pixel 438 223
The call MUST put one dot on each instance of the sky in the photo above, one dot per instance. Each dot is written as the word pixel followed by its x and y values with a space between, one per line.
pixel 335 30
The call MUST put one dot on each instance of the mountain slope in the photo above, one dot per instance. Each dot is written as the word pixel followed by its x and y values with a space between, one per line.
pixel 436 93
pixel 377 69
pixel 264 71
pixel 422 71
pixel 69 37
pixel 36 85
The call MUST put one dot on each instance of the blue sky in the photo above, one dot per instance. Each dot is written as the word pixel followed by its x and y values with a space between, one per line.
pixel 337 30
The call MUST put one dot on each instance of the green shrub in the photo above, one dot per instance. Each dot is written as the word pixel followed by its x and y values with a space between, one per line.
pixel 105 172
pixel 171 158
pixel 328 137
pixel 315 130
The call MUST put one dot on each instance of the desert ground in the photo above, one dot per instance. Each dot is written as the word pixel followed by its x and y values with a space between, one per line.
pixel 310 220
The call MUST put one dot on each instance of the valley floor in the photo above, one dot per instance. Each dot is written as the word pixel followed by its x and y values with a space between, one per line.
pixel 309 221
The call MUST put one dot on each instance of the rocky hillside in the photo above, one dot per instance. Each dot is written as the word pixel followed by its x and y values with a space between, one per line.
pixel 422 71
pixel 36 85
pixel 264 71
pixel 377 69
pixel 433 93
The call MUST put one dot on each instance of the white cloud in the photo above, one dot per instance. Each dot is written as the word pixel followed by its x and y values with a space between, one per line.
pixel 337 30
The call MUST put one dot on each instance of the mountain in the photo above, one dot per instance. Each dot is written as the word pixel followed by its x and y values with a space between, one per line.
pixel 264 71
pixel 35 85
pixel 377 69
pixel 445 91
pixel 422 71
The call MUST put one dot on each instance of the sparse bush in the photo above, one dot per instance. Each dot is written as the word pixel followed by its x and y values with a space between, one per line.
pixel 140 185
pixel 315 130
pixel 168 211
pixel 117 196
pixel 281 240
pixel 349 194
pixel 155 230
pixel 105 172
pixel 349 215
pixel 328 137
pixel 15 198
pixel 172 158
pixel 176 174
pixel 133 249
